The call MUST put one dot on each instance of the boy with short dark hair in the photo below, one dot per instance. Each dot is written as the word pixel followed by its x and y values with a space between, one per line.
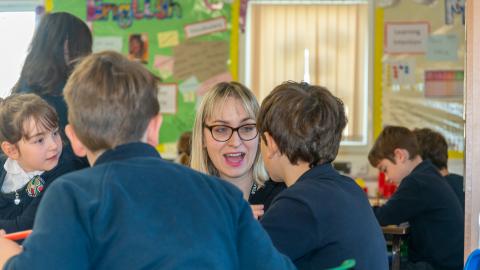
pixel 433 146
pixel 423 199
pixel 322 218
pixel 132 210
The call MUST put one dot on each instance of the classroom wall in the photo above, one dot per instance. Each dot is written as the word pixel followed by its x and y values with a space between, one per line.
pixel 403 11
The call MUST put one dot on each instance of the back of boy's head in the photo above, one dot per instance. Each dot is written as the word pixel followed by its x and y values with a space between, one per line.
pixel 15 112
pixel 110 100
pixel 391 138
pixel 306 122
pixel 432 145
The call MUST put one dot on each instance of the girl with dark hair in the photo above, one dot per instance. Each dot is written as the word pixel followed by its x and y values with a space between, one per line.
pixel 60 40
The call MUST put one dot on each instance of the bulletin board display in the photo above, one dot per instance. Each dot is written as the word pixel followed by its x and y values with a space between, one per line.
pixel 419 62
pixel 190 44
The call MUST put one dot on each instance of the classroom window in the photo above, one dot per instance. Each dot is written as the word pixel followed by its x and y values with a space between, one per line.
pixel 322 42
pixel 17 24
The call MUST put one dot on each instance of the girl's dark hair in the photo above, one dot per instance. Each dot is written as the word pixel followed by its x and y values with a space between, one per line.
pixel 59 41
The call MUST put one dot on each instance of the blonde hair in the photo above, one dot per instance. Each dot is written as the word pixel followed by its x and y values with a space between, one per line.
pixel 209 105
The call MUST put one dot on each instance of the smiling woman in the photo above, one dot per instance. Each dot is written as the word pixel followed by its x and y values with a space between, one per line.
pixel 225 143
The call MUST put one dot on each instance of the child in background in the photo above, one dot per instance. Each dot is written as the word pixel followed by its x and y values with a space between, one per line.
pixel 131 209
pixel 322 218
pixel 32 145
pixel 433 146
pixel 423 198
pixel 184 148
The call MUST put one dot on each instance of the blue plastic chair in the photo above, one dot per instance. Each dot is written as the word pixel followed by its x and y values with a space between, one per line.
pixel 473 261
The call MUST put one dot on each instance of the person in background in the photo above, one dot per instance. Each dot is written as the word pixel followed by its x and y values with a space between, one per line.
pixel 423 199
pixel 184 148
pixel 30 140
pixel 131 209
pixel 225 143
pixel 434 147
pixel 60 40
pixel 322 218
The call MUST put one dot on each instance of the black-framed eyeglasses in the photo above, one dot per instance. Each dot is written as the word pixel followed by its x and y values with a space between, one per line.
pixel 223 133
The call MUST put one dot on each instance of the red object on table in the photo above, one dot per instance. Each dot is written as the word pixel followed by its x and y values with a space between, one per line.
pixel 385 188
pixel 18 235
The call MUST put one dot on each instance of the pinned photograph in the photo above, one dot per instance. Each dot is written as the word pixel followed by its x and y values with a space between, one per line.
pixel 138 47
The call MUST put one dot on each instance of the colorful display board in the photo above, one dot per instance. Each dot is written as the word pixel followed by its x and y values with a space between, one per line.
pixel 189 44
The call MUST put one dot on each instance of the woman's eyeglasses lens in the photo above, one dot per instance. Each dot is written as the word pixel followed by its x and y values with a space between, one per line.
pixel 224 133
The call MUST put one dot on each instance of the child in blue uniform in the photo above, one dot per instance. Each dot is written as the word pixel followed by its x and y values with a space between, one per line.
pixel 434 147
pixel 131 209
pixel 31 143
pixel 423 198
pixel 322 218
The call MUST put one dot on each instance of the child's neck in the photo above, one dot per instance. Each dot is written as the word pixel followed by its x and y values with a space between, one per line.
pixel 415 162
pixel 92 156
pixel 292 172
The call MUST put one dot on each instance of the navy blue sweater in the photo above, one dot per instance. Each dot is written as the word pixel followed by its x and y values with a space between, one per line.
pixel 324 219
pixel 428 203
pixel 20 217
pixel 132 210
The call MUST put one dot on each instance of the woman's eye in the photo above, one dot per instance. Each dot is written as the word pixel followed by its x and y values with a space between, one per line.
pixel 221 129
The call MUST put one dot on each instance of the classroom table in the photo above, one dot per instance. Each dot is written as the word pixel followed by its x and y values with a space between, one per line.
pixel 398 234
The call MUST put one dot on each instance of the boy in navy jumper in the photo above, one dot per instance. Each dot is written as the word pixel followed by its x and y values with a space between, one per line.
pixel 132 210
pixel 433 146
pixel 31 142
pixel 423 198
pixel 322 218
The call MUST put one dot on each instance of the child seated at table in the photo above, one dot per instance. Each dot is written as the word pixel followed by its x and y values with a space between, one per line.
pixel 322 218
pixel 31 144
pixel 423 199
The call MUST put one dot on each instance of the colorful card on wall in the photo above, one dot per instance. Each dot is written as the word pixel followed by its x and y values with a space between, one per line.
pixel 442 48
pixel 167 97
pixel 111 43
pixel 444 83
pixel 167 39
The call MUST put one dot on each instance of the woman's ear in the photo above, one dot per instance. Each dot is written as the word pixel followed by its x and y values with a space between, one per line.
pixel 153 129
pixel 10 150
pixel 78 148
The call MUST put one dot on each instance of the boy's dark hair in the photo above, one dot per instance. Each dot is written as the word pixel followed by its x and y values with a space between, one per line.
pixel 59 40
pixel 432 145
pixel 391 138
pixel 306 121
pixel 17 109
pixel 111 100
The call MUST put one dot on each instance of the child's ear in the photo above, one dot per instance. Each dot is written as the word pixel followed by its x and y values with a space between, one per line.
pixel 270 145
pixel 78 148
pixel 153 129
pixel 10 150
pixel 401 155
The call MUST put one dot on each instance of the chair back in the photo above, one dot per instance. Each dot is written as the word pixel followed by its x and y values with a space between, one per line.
pixel 347 264
pixel 473 261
